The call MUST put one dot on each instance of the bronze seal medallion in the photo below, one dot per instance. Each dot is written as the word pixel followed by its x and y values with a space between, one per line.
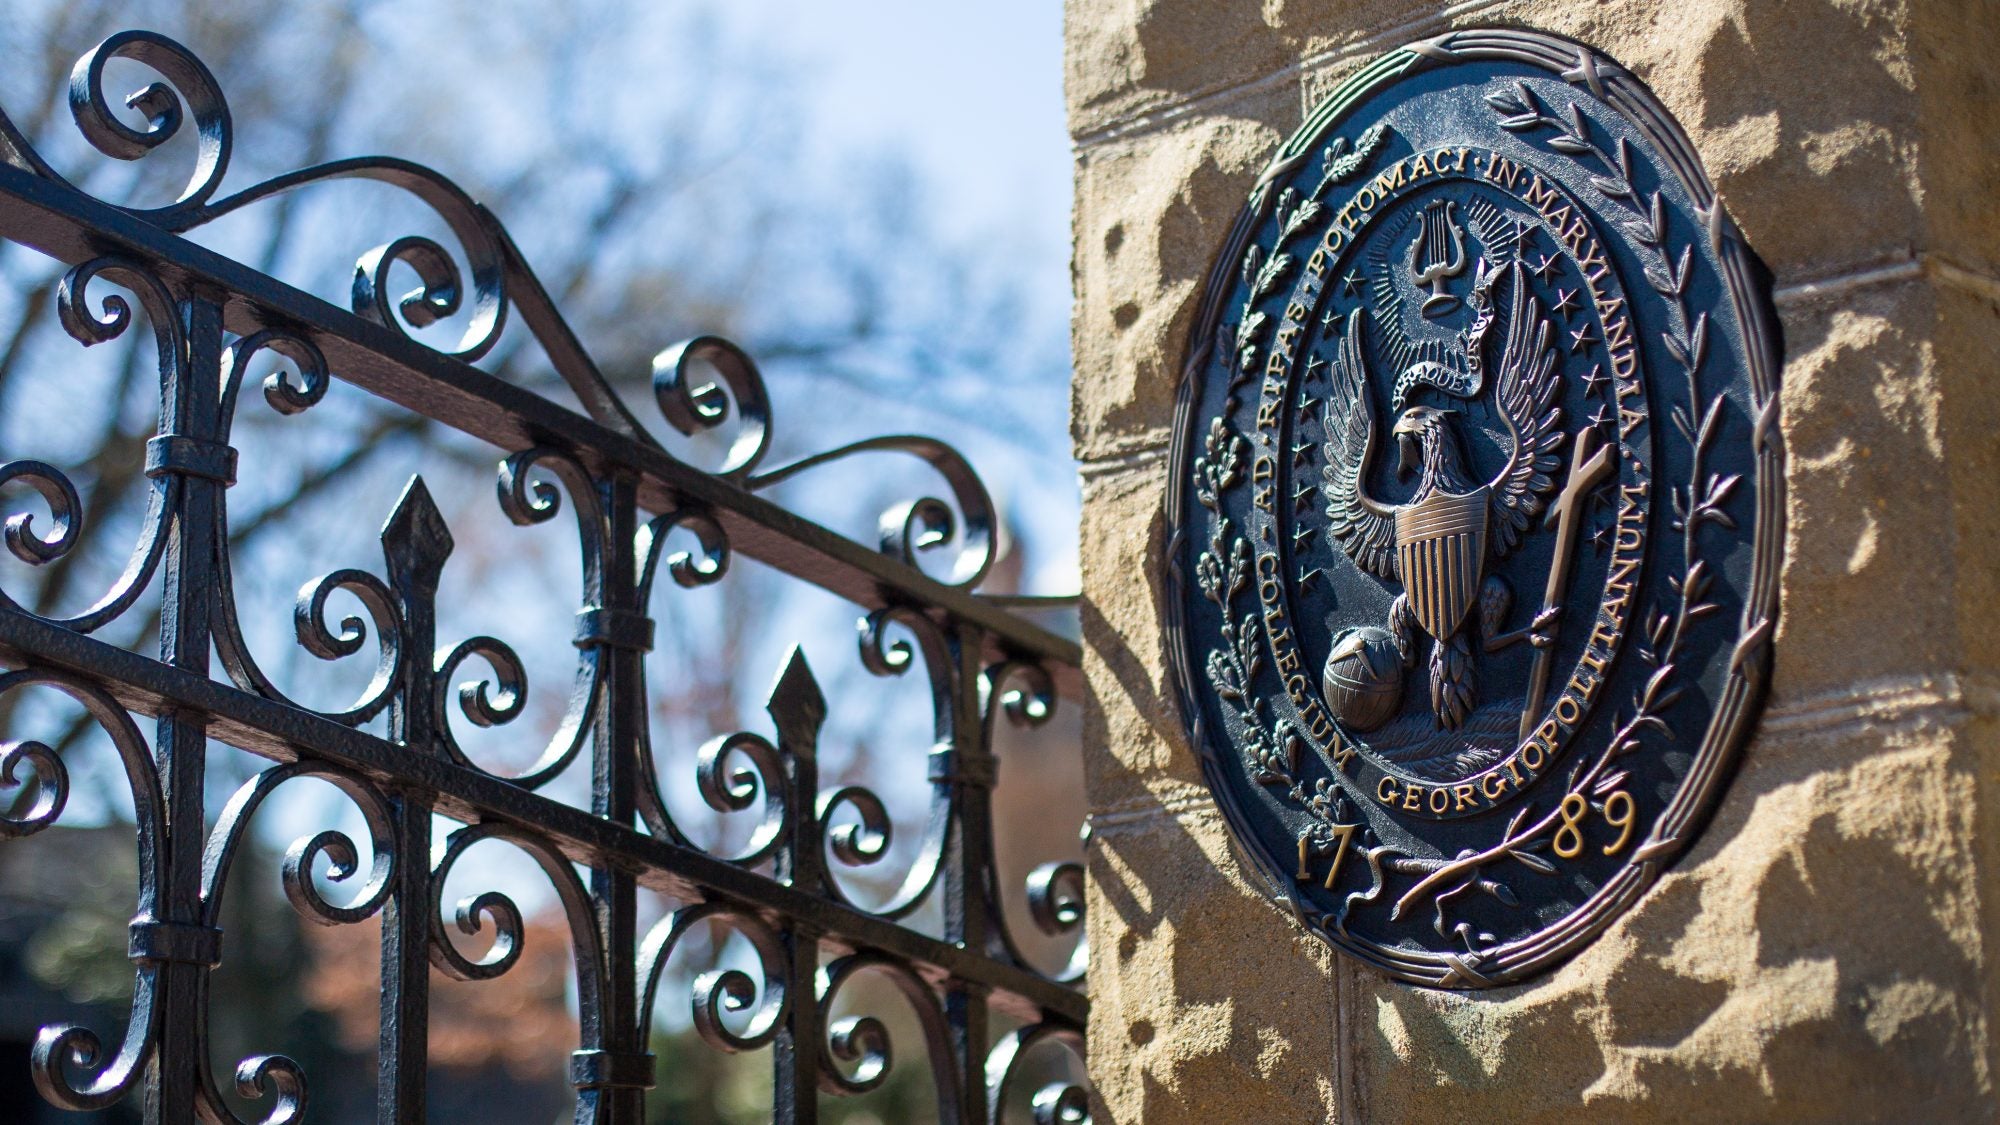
pixel 1477 504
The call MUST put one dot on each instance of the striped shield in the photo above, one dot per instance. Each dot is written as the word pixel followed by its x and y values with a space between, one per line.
pixel 1440 555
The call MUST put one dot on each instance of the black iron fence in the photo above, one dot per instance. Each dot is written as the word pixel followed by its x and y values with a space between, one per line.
pixel 210 318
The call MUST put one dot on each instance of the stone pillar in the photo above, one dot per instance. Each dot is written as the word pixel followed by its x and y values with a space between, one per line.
pixel 1821 953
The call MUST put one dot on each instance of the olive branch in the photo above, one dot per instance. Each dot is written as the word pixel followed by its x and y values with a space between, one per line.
pixel 1223 572
pixel 1263 275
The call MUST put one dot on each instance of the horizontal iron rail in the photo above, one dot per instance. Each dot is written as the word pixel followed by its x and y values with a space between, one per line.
pixel 72 227
pixel 276 731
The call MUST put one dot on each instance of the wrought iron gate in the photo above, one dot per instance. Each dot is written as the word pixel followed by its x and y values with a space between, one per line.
pixel 210 316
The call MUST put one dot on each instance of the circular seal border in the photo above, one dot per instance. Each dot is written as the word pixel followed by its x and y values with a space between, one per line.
pixel 1737 704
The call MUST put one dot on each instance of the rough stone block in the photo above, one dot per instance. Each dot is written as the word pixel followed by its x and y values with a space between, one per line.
pixel 1150 214
pixel 1868 490
pixel 1205 1006
pixel 1816 957
pixel 1137 750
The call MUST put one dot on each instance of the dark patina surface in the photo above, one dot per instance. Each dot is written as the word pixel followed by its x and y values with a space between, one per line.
pixel 1477 507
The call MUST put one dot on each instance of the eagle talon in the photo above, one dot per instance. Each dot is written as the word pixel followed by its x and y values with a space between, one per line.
pixel 1542 633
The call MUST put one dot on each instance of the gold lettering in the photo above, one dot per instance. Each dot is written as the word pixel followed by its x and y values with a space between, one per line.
pixel 1295 686
pixel 1413 797
pixel 1623 571
pixel 1574 714
pixel 1628 420
pixel 1346 833
pixel 1540 195
pixel 1583 681
pixel 1385 790
pixel 1321 728
pixel 1492 785
pixel 1617 329
pixel 1390 179
pixel 1461 797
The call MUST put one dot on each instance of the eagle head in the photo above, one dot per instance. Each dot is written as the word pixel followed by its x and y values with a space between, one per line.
pixel 1418 426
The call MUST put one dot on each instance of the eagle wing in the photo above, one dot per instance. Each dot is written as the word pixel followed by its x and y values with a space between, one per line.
pixel 1526 390
pixel 1365 527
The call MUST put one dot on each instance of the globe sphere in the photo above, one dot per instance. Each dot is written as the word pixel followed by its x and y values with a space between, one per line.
pixel 1363 680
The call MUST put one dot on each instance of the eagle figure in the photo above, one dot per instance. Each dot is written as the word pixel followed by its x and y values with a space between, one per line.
pixel 1437 544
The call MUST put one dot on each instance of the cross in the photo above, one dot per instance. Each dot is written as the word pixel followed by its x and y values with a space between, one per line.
pixel 1588 468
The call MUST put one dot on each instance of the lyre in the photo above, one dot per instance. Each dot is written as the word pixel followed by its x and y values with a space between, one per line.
pixel 1440 255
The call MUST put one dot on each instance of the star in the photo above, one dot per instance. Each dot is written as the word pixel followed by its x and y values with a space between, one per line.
pixel 1308 576
pixel 1603 415
pixel 1524 237
pixel 1600 536
pixel 1328 323
pixel 1301 539
pixel 1314 365
pixel 1350 284
pixel 1302 452
pixel 1548 265
pixel 1565 302
pixel 1580 338
pixel 1302 497
pixel 1595 380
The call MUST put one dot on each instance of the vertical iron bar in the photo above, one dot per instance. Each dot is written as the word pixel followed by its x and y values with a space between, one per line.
pixel 615 775
pixel 798 709
pixel 795 1051
pixel 415 545
pixel 191 392
pixel 969 899
pixel 400 1064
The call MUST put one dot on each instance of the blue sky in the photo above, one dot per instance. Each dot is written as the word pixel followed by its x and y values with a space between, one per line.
pixel 972 93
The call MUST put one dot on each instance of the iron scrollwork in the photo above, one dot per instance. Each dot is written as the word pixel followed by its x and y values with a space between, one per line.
pixel 211 321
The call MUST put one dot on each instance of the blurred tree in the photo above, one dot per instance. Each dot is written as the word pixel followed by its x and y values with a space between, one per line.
pixel 653 170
